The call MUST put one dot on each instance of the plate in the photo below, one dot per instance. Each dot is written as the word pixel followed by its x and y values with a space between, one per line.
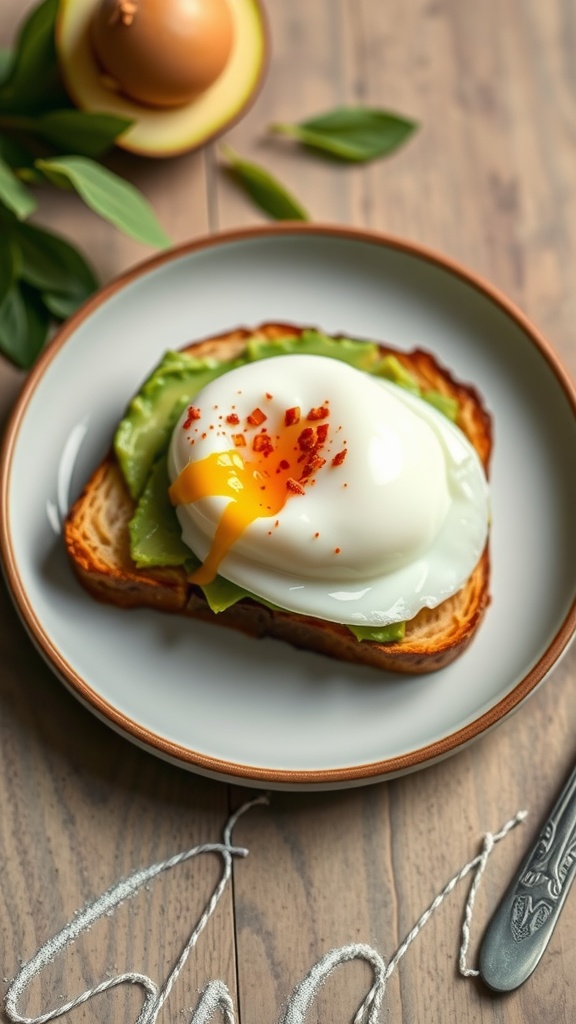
pixel 258 711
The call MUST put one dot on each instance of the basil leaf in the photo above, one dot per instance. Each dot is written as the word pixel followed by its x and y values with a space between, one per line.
pixel 52 265
pixel 14 194
pixel 108 195
pixel 23 327
pixel 264 190
pixel 79 132
pixel 33 81
pixel 352 134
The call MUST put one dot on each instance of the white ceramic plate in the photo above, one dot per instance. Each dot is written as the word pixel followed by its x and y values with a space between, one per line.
pixel 259 711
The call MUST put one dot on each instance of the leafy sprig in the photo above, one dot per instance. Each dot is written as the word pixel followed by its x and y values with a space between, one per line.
pixel 45 140
pixel 350 135
pixel 263 188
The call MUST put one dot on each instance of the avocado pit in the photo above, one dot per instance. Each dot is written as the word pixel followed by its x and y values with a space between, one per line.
pixel 162 53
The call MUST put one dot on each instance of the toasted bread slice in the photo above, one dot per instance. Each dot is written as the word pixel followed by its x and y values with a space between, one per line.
pixel 97 539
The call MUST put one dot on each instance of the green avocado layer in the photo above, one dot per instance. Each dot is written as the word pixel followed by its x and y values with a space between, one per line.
pixel 143 437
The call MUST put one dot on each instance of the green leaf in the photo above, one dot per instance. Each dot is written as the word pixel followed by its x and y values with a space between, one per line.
pixel 52 265
pixel 23 327
pixel 79 132
pixel 351 134
pixel 60 306
pixel 6 58
pixel 14 194
pixel 14 154
pixel 264 190
pixel 33 80
pixel 9 265
pixel 108 195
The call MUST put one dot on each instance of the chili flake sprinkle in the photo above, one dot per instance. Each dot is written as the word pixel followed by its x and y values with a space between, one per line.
pixel 294 486
pixel 320 413
pixel 239 440
pixel 193 414
pixel 256 417
pixel 233 419
pixel 339 457
pixel 292 416
pixel 307 439
pixel 262 443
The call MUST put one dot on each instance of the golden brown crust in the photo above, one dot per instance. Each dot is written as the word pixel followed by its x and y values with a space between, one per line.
pixel 97 540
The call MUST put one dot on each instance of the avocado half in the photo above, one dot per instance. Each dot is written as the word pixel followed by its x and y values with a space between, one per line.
pixel 161 132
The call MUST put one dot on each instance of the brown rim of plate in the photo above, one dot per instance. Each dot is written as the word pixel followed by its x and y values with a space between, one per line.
pixel 172 751
pixel 227 125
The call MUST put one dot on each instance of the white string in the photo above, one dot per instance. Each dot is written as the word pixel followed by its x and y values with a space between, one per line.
pixel 216 997
pixel 368 1012
pixel 105 904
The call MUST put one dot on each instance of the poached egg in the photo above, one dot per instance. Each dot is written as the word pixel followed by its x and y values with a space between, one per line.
pixel 327 491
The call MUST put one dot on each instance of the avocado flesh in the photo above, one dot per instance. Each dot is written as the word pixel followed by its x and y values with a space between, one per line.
pixel 143 437
pixel 146 429
pixel 158 131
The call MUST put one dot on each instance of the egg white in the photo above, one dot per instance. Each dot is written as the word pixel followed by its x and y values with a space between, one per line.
pixel 407 512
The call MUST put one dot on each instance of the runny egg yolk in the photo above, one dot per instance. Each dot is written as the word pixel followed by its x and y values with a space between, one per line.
pixel 259 486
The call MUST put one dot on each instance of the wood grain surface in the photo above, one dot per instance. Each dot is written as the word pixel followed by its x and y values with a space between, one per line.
pixel 490 180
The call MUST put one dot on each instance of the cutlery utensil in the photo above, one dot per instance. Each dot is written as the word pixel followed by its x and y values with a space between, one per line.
pixel 520 929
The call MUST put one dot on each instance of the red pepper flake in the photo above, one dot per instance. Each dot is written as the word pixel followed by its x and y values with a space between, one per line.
pixel 239 440
pixel 294 486
pixel 319 413
pixel 316 535
pixel 268 395
pixel 233 419
pixel 277 523
pixel 262 443
pixel 292 416
pixel 322 432
pixel 283 464
pixel 336 551
pixel 203 436
pixel 307 439
pixel 193 414
pixel 316 462
pixel 339 458
pixel 256 417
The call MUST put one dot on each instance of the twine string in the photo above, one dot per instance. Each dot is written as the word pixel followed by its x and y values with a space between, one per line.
pixel 215 997
pixel 105 904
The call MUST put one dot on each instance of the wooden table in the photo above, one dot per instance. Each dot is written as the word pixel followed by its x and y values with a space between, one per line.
pixel 491 181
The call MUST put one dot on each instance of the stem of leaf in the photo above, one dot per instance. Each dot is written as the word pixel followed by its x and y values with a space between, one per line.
pixel 281 128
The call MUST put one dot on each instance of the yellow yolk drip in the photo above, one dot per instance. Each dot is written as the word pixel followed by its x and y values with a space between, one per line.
pixel 253 493
pixel 258 486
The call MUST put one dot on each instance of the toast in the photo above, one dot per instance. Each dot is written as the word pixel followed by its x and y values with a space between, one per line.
pixel 97 540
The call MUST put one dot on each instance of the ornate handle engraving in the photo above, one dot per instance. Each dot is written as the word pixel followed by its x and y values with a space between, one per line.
pixel 523 923
pixel 549 871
